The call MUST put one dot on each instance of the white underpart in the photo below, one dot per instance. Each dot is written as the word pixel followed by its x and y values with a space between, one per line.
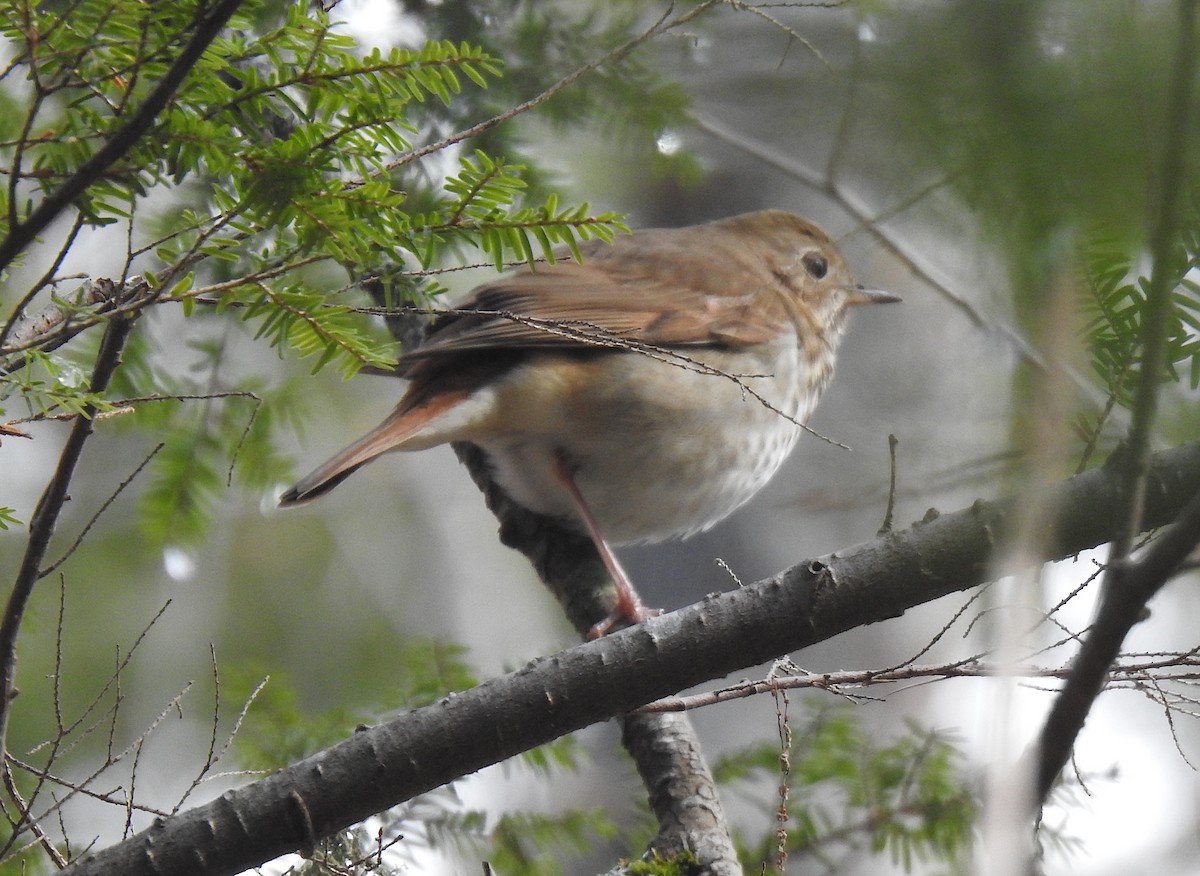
pixel 656 451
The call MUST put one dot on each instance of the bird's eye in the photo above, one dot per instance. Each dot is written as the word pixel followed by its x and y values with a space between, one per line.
pixel 816 266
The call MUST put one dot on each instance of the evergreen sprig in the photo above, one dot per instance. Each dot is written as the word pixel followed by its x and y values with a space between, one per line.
pixel 50 386
pixel 907 798
pixel 299 318
pixel 484 214
pixel 1113 305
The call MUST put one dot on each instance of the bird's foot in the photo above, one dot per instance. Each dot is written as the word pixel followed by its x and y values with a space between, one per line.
pixel 628 608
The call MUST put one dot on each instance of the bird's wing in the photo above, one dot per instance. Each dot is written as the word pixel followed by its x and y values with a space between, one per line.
pixel 619 296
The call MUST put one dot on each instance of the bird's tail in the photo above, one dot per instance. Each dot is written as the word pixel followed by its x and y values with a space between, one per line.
pixel 391 434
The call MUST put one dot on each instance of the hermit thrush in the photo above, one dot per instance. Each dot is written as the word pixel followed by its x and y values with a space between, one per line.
pixel 644 393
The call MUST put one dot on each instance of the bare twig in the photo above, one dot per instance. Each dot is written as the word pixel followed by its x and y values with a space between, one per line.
pixel 25 802
pixel 67 735
pixel 111 798
pixel 104 506
pixel 1130 673
pixel 35 828
pixel 793 35
pixel 132 749
pixel 784 726
pixel 886 526
pixel 215 752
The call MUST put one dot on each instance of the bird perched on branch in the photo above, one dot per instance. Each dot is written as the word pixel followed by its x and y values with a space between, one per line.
pixel 644 393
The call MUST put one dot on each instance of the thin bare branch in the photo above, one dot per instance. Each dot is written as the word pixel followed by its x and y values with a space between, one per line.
pixel 1128 673
pixel 31 824
pixel 104 506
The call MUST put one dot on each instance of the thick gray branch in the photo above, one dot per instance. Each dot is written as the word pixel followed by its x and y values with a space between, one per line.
pixel 814 600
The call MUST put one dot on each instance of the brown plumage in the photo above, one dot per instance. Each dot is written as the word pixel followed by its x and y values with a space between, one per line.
pixel 642 394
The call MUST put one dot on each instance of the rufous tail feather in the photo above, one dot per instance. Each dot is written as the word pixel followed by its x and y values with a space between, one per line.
pixel 391 434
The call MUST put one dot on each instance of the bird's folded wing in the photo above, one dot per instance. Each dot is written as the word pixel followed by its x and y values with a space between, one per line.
pixel 570 304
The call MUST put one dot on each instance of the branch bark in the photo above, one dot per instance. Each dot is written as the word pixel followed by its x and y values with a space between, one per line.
pixel 812 601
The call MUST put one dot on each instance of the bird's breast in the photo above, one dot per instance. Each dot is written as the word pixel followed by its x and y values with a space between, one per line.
pixel 661 444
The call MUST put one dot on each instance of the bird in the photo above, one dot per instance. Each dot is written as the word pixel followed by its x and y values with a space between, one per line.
pixel 641 393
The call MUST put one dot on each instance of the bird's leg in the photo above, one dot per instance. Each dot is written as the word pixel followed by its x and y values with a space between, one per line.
pixel 629 605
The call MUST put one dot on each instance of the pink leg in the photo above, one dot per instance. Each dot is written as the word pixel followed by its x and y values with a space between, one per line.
pixel 629 604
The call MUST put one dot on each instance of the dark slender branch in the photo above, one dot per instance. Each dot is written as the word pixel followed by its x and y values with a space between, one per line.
pixel 45 516
pixel 118 145
pixel 1164 247
pixel 104 506
pixel 1128 587
pixel 382 766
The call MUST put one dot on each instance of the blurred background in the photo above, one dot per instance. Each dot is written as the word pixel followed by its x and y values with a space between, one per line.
pixel 957 152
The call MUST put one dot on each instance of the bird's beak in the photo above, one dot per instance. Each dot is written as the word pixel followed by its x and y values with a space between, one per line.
pixel 860 295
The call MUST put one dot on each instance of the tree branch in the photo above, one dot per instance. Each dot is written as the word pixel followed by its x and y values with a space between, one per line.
pixel 812 601
pixel 45 516
pixel 115 147
pixel 1127 587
